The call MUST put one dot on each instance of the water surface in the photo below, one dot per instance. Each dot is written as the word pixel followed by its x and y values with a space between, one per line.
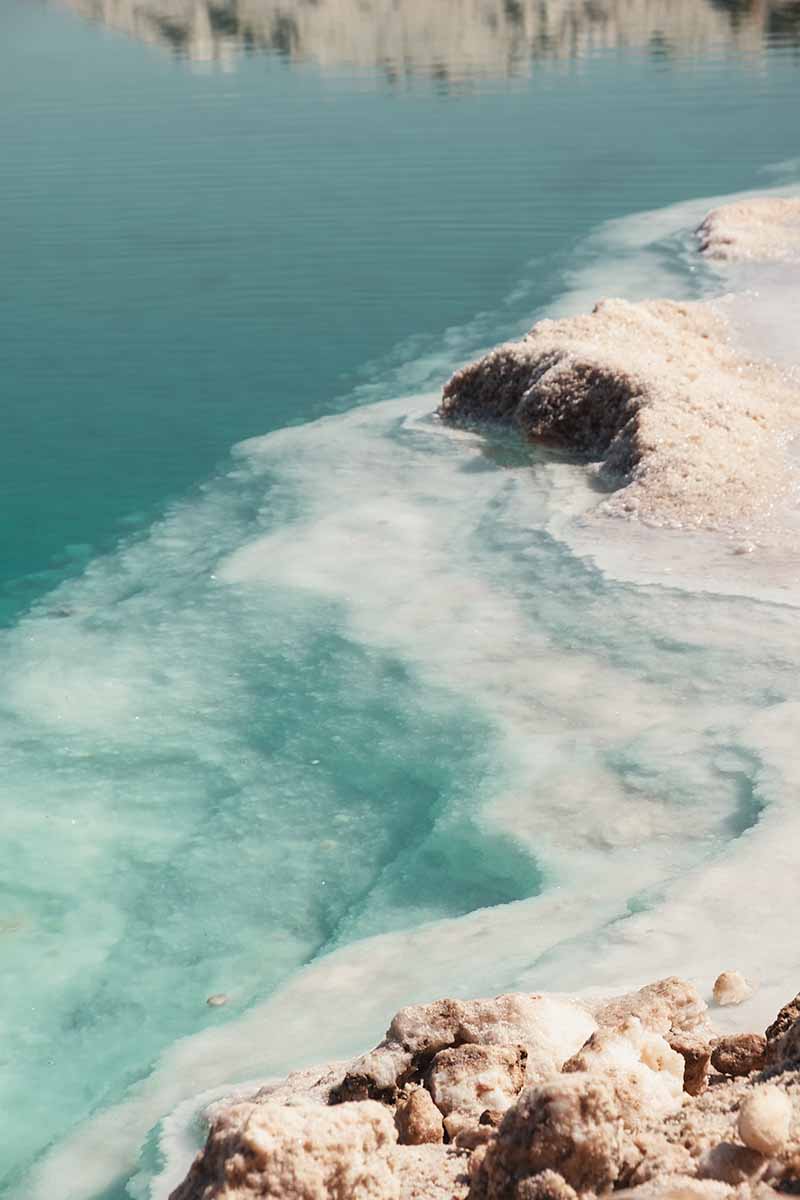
pixel 345 683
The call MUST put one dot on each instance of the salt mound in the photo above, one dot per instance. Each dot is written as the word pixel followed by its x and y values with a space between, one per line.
pixel 766 228
pixel 685 429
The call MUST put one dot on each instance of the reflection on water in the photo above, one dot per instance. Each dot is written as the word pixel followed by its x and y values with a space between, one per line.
pixel 449 37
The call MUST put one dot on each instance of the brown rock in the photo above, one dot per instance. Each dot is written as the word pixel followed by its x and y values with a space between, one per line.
pixel 696 1054
pixel 785 1018
pixel 783 1035
pixel 417 1119
pixel 739 1054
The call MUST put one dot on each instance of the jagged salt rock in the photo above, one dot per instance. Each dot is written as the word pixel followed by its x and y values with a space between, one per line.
pixel 641 1055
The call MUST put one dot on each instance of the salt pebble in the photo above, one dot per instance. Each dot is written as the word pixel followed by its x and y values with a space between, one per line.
pixel 731 987
pixel 764 1120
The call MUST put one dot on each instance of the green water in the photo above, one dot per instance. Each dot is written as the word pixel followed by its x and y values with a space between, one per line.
pixel 213 779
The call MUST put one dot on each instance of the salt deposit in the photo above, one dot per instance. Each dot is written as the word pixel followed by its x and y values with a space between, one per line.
pixel 685 429
pixel 761 229
pixel 600 1123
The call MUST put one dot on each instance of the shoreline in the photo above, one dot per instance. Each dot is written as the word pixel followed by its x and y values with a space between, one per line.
pixel 547 1097
pixel 524 1096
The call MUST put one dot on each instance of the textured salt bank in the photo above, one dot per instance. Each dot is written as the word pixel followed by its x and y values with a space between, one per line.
pixel 687 430
pixel 620 1114
pixel 763 229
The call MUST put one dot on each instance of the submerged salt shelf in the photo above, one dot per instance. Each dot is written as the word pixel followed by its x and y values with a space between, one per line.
pixel 495 766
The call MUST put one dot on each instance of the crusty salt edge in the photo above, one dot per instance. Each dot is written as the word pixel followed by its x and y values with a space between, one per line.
pixel 685 429
pixel 760 229
pixel 615 1115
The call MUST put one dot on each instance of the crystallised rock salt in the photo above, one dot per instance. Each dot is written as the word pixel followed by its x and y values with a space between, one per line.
pixel 466 1081
pixel 765 1118
pixel 305 1152
pixel 731 987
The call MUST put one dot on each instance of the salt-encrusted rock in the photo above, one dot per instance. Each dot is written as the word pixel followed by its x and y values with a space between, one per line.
pixel 549 1028
pixel 307 1152
pixel 417 1119
pixel 668 1004
pixel 763 228
pixel 696 1054
pixel 466 1081
pixel 731 987
pixel 732 1164
pixel 375 1076
pixel 547 1185
pixel 783 1035
pixel 578 1125
pixel 739 1054
pixel 473 1137
pixel 431 1172
pixel 639 1055
pixel 765 1119
pixel 683 427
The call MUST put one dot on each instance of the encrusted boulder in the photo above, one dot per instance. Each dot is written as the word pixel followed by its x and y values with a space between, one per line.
pixel 550 1029
pixel 783 1035
pixel 668 1005
pixel 640 1056
pixel 303 1152
pixel 466 1081
pixel 578 1125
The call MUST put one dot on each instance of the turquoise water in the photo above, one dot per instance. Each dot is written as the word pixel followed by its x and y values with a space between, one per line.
pixel 260 705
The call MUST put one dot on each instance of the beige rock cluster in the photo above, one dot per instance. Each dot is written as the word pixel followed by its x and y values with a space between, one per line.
pixel 685 430
pixel 622 1095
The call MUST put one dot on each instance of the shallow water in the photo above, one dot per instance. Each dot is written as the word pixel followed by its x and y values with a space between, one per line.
pixel 350 682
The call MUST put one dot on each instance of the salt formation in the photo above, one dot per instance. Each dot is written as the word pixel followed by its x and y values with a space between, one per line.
pixel 685 429
pixel 761 229
pixel 731 987
pixel 620 1113
pixel 764 1120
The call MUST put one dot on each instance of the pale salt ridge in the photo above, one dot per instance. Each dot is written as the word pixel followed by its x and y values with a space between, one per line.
pixel 438 560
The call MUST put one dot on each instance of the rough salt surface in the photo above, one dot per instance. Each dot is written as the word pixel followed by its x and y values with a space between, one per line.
pixel 685 430
pixel 763 229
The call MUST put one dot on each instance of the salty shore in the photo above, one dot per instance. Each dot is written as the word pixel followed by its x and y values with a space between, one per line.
pixel 654 1093
pixel 527 1096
